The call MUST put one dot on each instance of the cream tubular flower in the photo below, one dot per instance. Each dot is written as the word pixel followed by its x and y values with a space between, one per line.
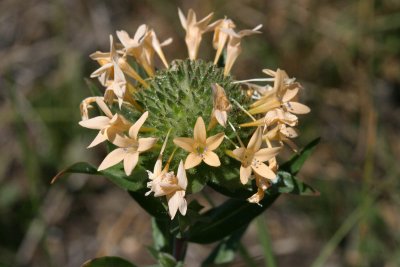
pixel 173 187
pixel 283 134
pixel 110 125
pixel 220 37
pixel 252 158
pixel 194 30
pixel 104 73
pixel 129 148
pixel 262 185
pixel 221 106
pixel 117 86
pixel 200 147
pixel 136 47
pixel 283 93
pixel 234 47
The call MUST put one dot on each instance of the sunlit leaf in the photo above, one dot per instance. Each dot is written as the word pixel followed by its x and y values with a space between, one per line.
pixel 223 220
pixel 134 182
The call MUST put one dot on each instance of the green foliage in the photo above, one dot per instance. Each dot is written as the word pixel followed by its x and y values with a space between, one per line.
pixel 134 182
pixel 226 249
pixel 108 262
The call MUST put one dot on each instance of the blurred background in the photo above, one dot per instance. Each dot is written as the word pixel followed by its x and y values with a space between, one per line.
pixel 345 53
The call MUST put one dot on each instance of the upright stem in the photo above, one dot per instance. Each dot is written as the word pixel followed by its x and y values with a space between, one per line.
pixel 179 248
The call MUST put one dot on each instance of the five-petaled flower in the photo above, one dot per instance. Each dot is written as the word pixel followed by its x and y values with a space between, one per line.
pixel 164 183
pixel 200 147
pixel 110 126
pixel 129 148
pixel 253 158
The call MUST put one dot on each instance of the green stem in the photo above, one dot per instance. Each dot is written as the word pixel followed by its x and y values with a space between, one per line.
pixel 265 240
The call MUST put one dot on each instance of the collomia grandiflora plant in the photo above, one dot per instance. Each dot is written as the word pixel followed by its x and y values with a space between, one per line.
pixel 188 124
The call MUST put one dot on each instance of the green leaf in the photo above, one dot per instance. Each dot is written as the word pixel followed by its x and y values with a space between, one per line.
pixel 226 180
pixel 151 204
pixel 136 181
pixel 226 249
pixel 223 220
pixel 167 260
pixel 291 185
pixel 296 162
pixel 93 88
pixel 108 262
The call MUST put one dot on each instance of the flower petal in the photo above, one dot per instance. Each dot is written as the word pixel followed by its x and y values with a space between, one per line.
pixel 290 94
pixel 175 202
pixel 200 131
pixel 102 105
pixel 185 143
pixel 264 171
pixel 130 161
pixel 214 141
pixel 192 160
pixel 239 153
pixel 221 117
pixel 96 123
pixel 112 158
pixel 211 159
pixel 181 176
pixel 133 131
pixel 297 108
pixel 255 140
pixel 245 173
pixel 146 143
pixel 266 153
pixel 98 139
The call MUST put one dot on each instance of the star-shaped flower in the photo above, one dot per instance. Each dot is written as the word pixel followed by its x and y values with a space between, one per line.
pixel 253 158
pixel 129 147
pixel 173 187
pixel 110 125
pixel 200 147
pixel 142 47
pixel 234 47
pixel 220 37
pixel 194 30
pixel 284 92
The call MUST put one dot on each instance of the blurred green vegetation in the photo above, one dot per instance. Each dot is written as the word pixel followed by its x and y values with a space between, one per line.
pixel 345 53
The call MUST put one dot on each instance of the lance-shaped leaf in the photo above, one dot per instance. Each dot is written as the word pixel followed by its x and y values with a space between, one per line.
pixel 226 249
pixel 296 162
pixel 152 205
pixel 221 221
pixel 291 185
pixel 108 262
pixel 136 181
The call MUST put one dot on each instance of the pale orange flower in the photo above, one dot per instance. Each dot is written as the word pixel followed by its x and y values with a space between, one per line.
pixel 173 187
pixel 142 47
pixel 283 133
pixel 200 147
pixel 221 106
pixel 129 148
pixel 262 185
pixel 253 158
pixel 110 125
pixel 105 59
pixel 282 95
pixel 194 30
pixel 220 37
pixel 234 47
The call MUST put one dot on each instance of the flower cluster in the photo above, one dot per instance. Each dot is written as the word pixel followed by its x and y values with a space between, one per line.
pixel 144 103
